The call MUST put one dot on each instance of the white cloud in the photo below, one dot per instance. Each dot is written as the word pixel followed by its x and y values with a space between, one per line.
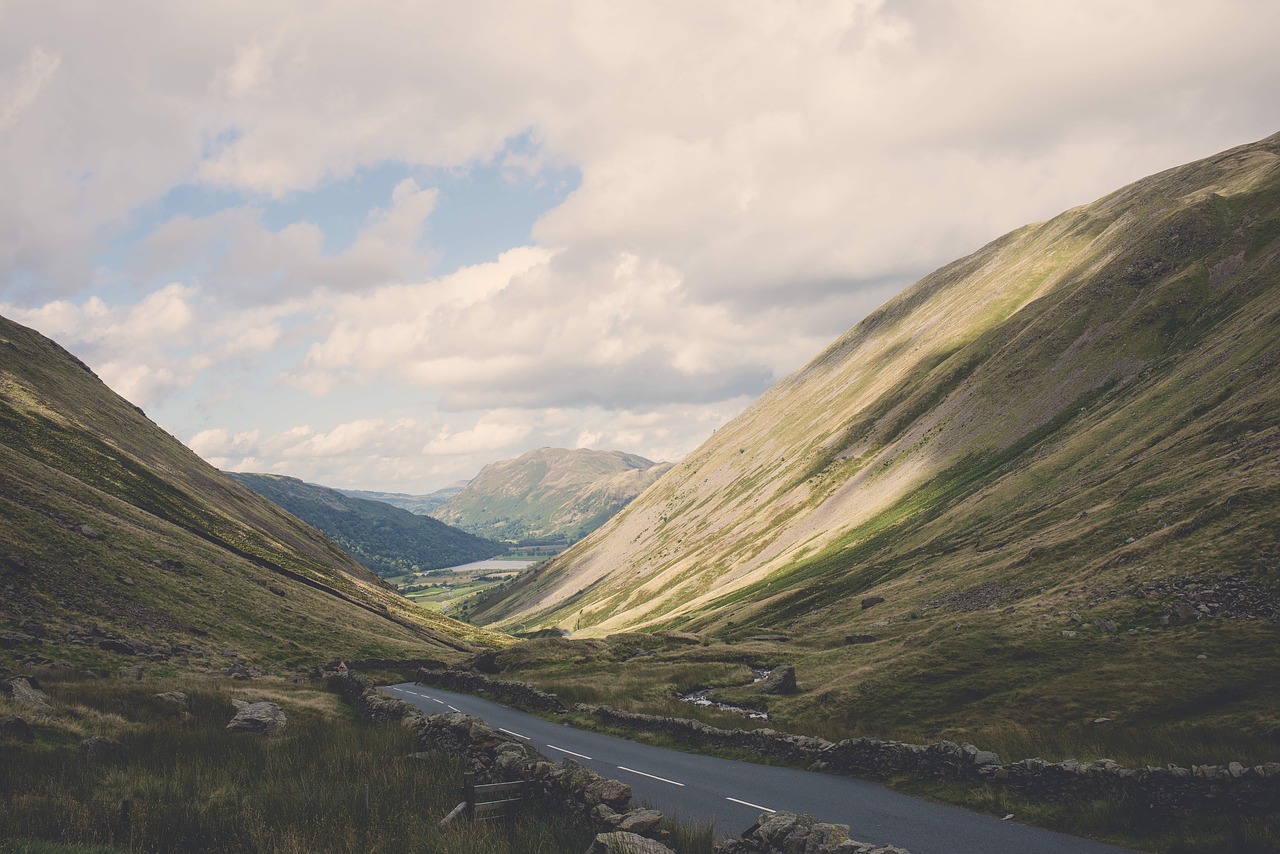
pixel 20 92
pixel 234 252
pixel 754 178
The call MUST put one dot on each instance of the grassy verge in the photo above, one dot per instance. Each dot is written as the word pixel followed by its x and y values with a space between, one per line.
pixel 649 684
pixel 192 786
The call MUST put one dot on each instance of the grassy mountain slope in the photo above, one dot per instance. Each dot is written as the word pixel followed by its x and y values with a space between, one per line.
pixel 390 541
pixel 549 494
pixel 417 504
pixel 1045 457
pixel 107 521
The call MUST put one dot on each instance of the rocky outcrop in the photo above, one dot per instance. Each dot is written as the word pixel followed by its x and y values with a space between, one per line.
pixel 260 717
pixel 24 690
pixel 519 694
pixel 621 842
pixel 1231 597
pixel 785 833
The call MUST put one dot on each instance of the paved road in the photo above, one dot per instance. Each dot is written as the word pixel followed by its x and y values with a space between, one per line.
pixel 732 794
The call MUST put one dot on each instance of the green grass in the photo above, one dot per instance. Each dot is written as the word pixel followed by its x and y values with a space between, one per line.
pixel 192 786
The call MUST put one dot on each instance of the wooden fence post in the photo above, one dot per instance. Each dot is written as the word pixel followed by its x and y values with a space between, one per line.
pixel 122 835
pixel 469 793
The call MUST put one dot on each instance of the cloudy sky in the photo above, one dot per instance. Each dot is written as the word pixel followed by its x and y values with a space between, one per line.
pixel 380 244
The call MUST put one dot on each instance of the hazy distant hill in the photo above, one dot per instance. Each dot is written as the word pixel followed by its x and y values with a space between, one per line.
pixel 551 494
pixel 110 528
pixel 1056 460
pixel 418 504
pixel 387 539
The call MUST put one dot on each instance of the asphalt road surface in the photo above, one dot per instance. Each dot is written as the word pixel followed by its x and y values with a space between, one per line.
pixel 733 794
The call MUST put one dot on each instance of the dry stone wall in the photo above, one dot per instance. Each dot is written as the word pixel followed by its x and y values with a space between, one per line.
pixel 494 756
pixel 519 694
pixel 1232 788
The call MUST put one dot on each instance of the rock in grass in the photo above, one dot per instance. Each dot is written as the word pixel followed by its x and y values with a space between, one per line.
pixel 621 842
pixel 12 726
pixel 781 681
pixel 99 745
pixel 174 699
pixel 256 717
pixel 23 692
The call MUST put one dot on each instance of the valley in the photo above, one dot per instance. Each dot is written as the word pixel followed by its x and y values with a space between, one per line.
pixel 1024 513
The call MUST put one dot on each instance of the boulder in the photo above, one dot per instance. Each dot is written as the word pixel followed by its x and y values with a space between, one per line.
pixel 602 790
pixel 854 639
pixel 782 680
pixel 621 842
pixel 99 745
pixel 871 602
pixel 134 672
pixel 260 717
pixel 240 670
pixel 174 699
pixel 642 821
pixel 15 727
pixel 21 690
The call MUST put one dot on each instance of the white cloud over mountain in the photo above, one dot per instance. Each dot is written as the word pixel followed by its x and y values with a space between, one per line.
pixel 753 178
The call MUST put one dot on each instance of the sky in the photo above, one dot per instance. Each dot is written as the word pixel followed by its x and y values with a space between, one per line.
pixel 379 245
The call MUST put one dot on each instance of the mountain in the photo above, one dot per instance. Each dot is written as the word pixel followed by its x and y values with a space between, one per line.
pixel 416 504
pixel 1047 470
pixel 550 494
pixel 118 541
pixel 390 541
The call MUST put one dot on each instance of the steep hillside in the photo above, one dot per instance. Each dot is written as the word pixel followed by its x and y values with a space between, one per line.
pixel 1047 470
pixel 390 541
pixel 111 528
pixel 550 494
pixel 417 504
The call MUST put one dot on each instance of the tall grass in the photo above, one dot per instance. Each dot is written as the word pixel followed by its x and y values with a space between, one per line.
pixel 192 786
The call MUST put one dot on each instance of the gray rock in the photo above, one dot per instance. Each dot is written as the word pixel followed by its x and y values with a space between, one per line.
pixel 240 670
pixel 134 672
pixel 176 699
pixel 781 681
pixel 256 717
pixel 15 727
pixel 1106 625
pixel 642 821
pixel 621 842
pixel 871 602
pixel 20 689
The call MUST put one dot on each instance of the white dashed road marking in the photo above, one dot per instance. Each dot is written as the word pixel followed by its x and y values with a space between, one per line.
pixel 516 734
pixel 570 752
pixel 749 804
pixel 650 776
